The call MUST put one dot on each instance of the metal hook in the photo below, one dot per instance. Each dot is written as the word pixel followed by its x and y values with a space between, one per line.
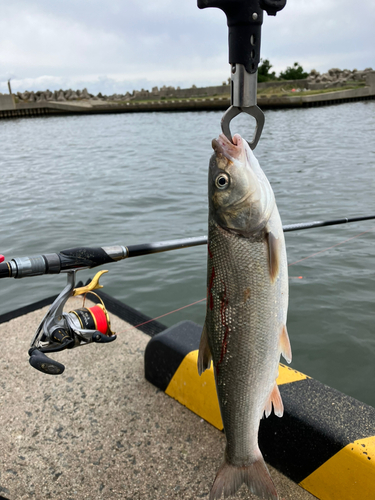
pixel 253 111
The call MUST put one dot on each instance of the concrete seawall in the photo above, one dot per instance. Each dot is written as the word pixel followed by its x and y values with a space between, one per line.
pixel 9 109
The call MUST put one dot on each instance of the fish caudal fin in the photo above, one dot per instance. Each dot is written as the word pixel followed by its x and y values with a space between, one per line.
pixel 204 355
pixel 275 400
pixel 285 348
pixel 256 476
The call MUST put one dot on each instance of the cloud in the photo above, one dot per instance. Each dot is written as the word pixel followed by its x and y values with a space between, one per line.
pixel 321 34
pixel 123 44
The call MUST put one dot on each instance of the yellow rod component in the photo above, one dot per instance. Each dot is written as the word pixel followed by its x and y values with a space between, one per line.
pixel 93 285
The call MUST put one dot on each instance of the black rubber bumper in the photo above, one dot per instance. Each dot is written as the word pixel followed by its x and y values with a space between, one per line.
pixel 325 441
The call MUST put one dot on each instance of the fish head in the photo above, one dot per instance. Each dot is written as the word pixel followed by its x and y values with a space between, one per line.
pixel 240 197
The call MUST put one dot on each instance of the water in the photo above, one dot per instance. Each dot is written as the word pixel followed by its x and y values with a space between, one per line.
pixel 127 179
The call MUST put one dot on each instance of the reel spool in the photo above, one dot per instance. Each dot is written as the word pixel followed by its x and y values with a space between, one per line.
pixel 91 318
pixel 59 331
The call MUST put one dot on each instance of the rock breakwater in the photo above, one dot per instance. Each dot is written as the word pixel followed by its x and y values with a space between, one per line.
pixel 336 77
pixel 57 95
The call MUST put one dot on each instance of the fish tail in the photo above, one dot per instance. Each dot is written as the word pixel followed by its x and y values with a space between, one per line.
pixel 229 479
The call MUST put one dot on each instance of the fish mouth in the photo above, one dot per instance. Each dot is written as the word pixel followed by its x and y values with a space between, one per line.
pixel 223 146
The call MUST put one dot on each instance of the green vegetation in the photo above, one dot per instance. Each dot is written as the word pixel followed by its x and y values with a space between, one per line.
pixel 172 99
pixel 289 90
pixel 286 90
pixel 264 74
pixel 293 73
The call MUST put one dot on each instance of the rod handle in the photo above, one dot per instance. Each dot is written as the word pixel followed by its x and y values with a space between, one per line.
pixel 244 19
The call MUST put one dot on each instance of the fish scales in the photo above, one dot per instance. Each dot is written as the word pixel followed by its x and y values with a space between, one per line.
pixel 247 301
pixel 238 328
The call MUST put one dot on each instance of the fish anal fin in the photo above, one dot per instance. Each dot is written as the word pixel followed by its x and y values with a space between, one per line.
pixel 275 400
pixel 273 255
pixel 268 408
pixel 204 355
pixel 229 479
pixel 285 348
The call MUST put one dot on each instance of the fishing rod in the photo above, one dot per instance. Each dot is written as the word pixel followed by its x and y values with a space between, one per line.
pixel 61 330
pixel 87 258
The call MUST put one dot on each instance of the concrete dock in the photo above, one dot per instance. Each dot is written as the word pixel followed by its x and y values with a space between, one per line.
pixel 100 430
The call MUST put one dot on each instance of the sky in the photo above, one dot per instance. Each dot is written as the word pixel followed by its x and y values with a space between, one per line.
pixel 123 45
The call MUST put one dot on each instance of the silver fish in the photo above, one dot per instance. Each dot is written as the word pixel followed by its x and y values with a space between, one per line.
pixel 247 301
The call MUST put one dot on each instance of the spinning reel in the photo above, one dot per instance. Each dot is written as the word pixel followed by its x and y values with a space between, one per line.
pixel 59 330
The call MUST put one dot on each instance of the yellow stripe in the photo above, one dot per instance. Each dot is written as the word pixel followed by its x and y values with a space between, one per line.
pixel 288 375
pixel 348 475
pixel 198 393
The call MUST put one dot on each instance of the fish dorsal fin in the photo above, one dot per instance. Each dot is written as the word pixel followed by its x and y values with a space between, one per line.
pixel 275 400
pixel 204 355
pixel 285 348
pixel 273 255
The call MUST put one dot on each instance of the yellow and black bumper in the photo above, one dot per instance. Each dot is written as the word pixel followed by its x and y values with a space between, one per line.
pixel 325 441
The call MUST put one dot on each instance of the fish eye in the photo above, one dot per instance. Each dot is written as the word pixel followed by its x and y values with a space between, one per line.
pixel 222 181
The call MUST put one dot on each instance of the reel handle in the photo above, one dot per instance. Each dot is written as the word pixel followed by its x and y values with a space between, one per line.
pixel 44 364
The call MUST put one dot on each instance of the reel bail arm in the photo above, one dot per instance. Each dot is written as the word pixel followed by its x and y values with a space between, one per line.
pixel 59 331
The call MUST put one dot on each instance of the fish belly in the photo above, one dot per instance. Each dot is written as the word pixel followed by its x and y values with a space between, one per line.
pixel 244 318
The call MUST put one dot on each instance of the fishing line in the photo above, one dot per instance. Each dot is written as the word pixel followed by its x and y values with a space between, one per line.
pixel 333 246
pixel 171 312
pixel 291 264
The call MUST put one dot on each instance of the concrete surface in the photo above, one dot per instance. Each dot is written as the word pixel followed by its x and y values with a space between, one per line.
pixel 101 431
pixel 6 102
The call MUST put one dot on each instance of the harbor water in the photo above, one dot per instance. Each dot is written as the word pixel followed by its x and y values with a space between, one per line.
pixel 137 178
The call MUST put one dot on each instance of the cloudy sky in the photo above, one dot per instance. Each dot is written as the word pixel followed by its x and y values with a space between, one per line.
pixel 122 45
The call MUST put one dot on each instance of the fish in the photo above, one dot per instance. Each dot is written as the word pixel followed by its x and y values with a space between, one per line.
pixel 244 332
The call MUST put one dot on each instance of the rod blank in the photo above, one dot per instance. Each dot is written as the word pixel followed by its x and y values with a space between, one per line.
pixel 164 246
pixel 61 262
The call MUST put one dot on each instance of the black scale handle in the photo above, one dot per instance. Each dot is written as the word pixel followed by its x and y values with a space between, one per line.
pixel 244 19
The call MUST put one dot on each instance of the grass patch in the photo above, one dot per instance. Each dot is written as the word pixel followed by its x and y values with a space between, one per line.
pixel 271 91
pixel 287 90
pixel 175 99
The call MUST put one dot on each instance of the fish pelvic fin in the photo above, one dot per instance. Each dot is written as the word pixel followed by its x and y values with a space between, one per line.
pixel 229 479
pixel 204 355
pixel 273 244
pixel 275 400
pixel 285 348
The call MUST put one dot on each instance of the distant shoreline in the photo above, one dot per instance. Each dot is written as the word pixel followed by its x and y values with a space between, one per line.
pixel 273 95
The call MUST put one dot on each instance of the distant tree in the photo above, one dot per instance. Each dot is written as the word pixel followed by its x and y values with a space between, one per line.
pixel 293 73
pixel 264 74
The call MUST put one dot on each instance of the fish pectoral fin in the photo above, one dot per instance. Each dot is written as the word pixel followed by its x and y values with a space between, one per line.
pixel 285 348
pixel 273 255
pixel 204 355
pixel 275 400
